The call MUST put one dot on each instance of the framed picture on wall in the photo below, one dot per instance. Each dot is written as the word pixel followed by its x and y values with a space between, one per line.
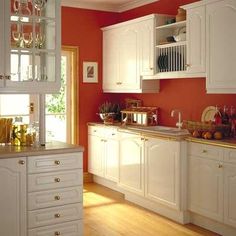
pixel 90 72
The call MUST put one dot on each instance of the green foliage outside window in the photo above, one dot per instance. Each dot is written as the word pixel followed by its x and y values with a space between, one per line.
pixel 56 103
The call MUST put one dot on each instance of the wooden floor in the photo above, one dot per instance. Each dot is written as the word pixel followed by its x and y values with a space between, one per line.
pixel 106 213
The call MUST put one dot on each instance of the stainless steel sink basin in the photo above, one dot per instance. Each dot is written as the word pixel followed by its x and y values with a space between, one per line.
pixel 162 130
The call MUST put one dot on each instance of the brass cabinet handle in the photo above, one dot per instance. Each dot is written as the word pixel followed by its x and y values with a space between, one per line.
pixel 21 162
pixel 57 162
pixel 142 139
pixel 2 77
pixel 57 180
pixel 57 233
pixel 151 68
pixel 57 197
pixel 57 215
pixel 118 83
pixel 220 166
pixel 8 77
pixel 204 151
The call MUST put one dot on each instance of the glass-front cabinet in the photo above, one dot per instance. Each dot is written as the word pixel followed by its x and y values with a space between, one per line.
pixel 30 45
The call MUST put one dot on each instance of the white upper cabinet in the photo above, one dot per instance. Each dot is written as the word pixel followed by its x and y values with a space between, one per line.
pixel 220 44
pixel 30 46
pixel 128 55
pixel 196 34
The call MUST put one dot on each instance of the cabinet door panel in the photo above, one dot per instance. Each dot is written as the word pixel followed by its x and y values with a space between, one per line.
pixel 205 186
pixel 221 50
pixel 196 34
pixel 110 59
pixel 12 197
pixel 95 155
pixel 162 161
pixel 111 159
pixel 230 194
pixel 129 58
pixel 131 163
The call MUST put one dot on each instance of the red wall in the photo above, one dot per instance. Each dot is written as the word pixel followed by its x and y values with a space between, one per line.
pixel 81 28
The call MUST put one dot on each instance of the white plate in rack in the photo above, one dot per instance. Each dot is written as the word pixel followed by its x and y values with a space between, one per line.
pixel 208 114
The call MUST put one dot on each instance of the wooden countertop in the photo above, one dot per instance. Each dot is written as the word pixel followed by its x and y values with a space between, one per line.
pixel 228 143
pixel 8 151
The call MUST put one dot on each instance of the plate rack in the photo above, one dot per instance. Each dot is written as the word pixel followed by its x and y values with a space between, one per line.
pixel 171 58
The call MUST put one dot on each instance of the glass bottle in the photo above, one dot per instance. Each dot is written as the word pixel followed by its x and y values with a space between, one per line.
pixel 217 117
pixel 19 130
pixel 225 116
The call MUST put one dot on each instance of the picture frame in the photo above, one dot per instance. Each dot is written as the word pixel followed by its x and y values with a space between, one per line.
pixel 90 72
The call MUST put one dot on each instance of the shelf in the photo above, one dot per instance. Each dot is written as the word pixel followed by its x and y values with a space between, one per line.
pixel 176 25
pixel 168 45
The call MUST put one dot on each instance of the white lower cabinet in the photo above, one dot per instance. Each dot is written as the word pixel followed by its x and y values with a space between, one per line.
pixel 162 171
pixel 131 163
pixel 230 194
pixel 212 182
pixel 103 152
pixel 13 213
pixel 55 195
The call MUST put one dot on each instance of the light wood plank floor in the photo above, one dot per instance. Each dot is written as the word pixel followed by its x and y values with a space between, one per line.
pixel 106 213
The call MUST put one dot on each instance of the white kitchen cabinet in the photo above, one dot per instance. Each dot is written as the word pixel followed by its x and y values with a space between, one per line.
pixel 131 166
pixel 103 152
pixel 220 46
pixel 30 47
pixel 162 171
pixel 13 212
pixel 196 37
pixel 230 194
pixel 128 54
pixel 55 194
pixel 205 180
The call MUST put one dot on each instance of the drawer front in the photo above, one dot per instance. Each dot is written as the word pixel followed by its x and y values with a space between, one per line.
pixel 230 155
pixel 46 181
pixel 55 215
pixel 74 228
pixel 95 130
pixel 38 164
pixel 39 200
pixel 206 151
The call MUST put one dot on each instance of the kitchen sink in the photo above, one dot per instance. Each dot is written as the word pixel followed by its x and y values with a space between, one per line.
pixel 162 129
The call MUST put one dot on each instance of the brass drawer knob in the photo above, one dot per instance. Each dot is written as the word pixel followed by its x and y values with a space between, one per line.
pixel 57 180
pixel 57 233
pixel 21 162
pixel 57 215
pixel 204 151
pixel 57 197
pixel 220 166
pixel 57 162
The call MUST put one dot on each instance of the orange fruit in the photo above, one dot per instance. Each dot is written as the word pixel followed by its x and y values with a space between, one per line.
pixel 218 135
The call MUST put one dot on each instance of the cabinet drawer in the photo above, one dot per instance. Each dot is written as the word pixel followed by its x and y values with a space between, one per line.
pixel 37 200
pixel 37 164
pixel 230 155
pixel 55 215
pixel 95 130
pixel 74 228
pixel 46 181
pixel 206 151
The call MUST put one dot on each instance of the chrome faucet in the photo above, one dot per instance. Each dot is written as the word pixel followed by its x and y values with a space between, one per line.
pixel 179 123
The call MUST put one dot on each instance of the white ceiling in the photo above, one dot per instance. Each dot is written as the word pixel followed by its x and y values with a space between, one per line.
pixel 107 5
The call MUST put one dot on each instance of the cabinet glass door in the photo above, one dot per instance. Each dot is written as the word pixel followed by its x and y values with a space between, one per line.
pixel 32 52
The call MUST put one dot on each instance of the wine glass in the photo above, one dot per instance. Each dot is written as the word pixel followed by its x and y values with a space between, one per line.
pixel 28 39
pixel 17 36
pixel 39 5
pixel 40 40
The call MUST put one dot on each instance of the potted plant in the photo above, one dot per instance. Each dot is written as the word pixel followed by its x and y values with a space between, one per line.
pixel 108 112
